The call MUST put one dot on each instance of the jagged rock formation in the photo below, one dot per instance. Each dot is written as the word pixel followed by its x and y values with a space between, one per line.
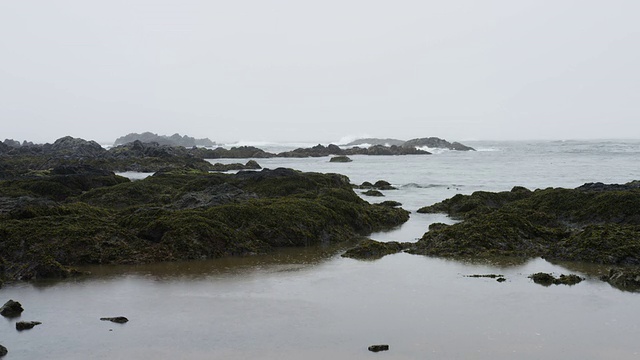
pixel 173 140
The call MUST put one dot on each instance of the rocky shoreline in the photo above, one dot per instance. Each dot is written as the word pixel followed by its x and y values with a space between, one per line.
pixel 594 223
pixel 77 214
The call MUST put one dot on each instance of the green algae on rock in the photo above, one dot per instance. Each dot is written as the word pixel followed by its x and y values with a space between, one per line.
pixel 598 224
pixel 179 214
pixel 369 249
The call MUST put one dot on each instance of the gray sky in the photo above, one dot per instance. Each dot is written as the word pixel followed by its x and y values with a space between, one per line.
pixel 294 70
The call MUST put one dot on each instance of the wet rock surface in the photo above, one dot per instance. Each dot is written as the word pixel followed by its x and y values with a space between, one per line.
pixel 11 309
pixel 370 249
pixel 627 279
pixel 117 319
pixel 57 221
pixel 26 325
pixel 378 348
pixel 547 279
pixel 564 224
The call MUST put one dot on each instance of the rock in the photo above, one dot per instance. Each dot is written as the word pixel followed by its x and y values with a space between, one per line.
pixel 117 319
pixel 377 348
pixel 434 142
pixel 173 140
pixel 3 351
pixel 341 159
pixel 383 185
pixel 372 193
pixel 491 276
pixel 376 141
pixel 501 279
pixel 390 203
pixel 627 279
pixel 181 214
pixel 250 165
pixel 11 309
pixel 26 325
pixel 546 279
pixel 370 249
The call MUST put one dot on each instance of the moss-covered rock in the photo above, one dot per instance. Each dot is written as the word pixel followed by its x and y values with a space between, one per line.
pixel 598 226
pixel 182 213
pixel 370 249
pixel 340 159
pixel 627 279
pixel 372 192
pixel 547 279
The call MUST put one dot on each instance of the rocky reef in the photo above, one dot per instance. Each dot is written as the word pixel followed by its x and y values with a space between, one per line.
pixel 135 156
pixel 594 223
pixel 75 215
pixel 173 140
pixel 431 142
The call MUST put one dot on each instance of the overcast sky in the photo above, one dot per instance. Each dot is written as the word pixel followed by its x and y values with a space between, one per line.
pixel 295 70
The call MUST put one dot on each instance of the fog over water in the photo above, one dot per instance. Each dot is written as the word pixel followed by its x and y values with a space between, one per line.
pixel 297 71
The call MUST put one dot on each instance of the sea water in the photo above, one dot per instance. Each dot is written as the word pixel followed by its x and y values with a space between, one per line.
pixel 310 303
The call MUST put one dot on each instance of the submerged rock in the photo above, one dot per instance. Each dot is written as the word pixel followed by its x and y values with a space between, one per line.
pixel 26 325
pixel 377 348
pixel 11 309
pixel 117 319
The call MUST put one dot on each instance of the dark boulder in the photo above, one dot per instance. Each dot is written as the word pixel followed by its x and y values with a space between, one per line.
pixel 373 193
pixel 3 351
pixel 377 348
pixel 26 325
pixel 340 159
pixel 117 319
pixel 11 309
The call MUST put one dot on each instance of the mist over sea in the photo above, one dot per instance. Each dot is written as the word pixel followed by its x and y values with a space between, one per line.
pixel 310 303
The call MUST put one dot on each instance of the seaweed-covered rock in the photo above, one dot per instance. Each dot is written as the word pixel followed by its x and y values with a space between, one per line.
pixel 184 213
pixel 598 226
pixel 371 249
pixel 340 159
pixel 547 279
pixel 11 309
pixel 250 165
pixel 627 279
pixel 390 203
pixel 373 193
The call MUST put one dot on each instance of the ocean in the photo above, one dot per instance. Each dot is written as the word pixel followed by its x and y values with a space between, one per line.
pixel 310 303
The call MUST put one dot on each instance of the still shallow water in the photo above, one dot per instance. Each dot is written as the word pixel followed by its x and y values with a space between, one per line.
pixel 313 304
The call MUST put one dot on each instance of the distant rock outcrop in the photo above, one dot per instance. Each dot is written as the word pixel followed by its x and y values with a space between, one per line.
pixel 434 142
pixel 431 142
pixel 376 141
pixel 173 140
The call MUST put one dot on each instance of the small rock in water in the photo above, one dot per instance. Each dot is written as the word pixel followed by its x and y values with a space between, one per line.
pixel 3 351
pixel 26 325
pixel 11 309
pixel 117 319
pixel 501 279
pixel 376 348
